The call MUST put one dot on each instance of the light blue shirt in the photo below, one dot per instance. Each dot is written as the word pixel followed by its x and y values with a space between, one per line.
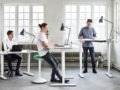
pixel 87 33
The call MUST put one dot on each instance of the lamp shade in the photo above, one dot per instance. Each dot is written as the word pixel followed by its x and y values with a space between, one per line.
pixel 62 27
pixel 101 19
pixel 22 32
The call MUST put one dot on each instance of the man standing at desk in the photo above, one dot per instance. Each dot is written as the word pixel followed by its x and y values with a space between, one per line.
pixel 88 32
pixel 8 44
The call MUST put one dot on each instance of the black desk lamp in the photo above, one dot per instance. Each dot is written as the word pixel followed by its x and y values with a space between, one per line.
pixel 62 28
pixel 23 33
pixel 101 21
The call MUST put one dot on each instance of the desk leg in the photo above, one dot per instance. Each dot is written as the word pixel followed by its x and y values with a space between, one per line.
pixel 68 76
pixel 63 73
pixel 2 68
pixel 28 67
pixel 108 56
pixel 80 58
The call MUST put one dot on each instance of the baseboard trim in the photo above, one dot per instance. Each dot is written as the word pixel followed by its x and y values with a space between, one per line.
pixel 116 67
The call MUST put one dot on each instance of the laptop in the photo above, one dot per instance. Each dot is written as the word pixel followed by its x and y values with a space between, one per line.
pixel 60 45
pixel 66 43
pixel 63 44
pixel 17 48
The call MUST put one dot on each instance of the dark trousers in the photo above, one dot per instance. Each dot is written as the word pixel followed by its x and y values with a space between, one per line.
pixel 12 57
pixel 54 63
pixel 92 54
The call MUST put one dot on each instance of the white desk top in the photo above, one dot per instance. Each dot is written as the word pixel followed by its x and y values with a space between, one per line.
pixel 93 40
pixel 65 47
pixel 23 51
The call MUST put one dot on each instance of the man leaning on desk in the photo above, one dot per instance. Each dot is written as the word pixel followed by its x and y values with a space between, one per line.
pixel 8 44
pixel 88 32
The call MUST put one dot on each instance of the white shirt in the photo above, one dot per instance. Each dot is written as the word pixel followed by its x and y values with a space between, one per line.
pixel 8 44
pixel 42 49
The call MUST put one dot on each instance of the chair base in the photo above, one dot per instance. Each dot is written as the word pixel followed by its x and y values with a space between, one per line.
pixel 109 75
pixel 39 80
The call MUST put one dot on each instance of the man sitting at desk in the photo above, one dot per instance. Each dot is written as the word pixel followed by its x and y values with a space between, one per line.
pixel 8 44
pixel 88 32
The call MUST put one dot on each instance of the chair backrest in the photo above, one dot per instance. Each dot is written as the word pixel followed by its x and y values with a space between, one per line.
pixel 2 47
pixel 3 50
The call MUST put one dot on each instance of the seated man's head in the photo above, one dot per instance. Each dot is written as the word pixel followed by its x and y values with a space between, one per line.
pixel 89 22
pixel 10 34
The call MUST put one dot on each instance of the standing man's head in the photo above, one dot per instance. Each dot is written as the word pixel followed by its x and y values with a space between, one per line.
pixel 10 34
pixel 43 27
pixel 89 22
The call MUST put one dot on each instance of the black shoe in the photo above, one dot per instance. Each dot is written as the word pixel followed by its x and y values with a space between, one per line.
pixel 18 73
pixel 66 81
pixel 85 71
pixel 10 74
pixel 94 71
pixel 54 80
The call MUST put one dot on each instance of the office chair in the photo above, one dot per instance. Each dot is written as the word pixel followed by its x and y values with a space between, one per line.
pixel 6 70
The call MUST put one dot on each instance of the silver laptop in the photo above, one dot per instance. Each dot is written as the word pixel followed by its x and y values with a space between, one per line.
pixel 64 44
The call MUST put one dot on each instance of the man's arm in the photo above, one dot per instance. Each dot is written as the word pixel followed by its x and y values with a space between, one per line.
pixel 80 34
pixel 5 46
pixel 94 34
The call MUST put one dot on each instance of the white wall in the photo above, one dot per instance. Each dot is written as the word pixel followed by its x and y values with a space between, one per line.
pixel 116 55
pixel 54 17
pixel 116 43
